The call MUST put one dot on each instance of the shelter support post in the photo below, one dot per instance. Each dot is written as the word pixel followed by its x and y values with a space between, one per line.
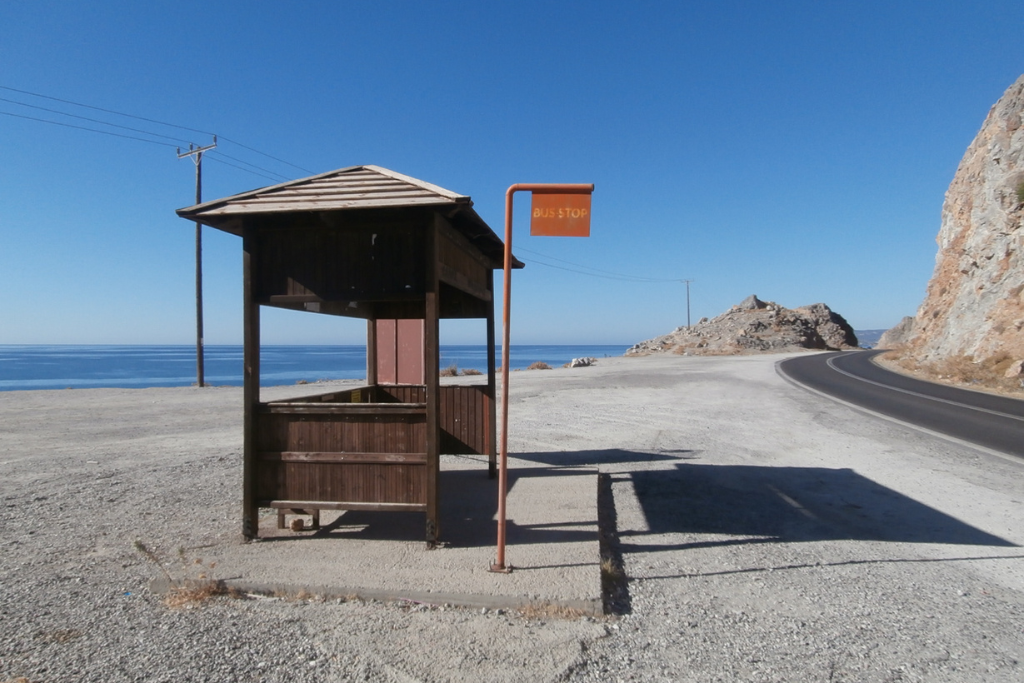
pixel 250 390
pixel 432 380
pixel 492 403
pixel 371 352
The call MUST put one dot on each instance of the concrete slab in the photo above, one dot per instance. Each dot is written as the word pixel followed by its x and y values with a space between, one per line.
pixel 552 546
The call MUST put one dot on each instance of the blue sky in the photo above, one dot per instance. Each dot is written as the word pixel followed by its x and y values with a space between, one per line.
pixel 796 150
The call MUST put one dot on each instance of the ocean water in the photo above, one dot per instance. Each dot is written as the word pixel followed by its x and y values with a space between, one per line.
pixel 88 366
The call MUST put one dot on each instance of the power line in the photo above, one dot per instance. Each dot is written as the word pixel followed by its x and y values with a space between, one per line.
pixel 152 142
pixel 288 163
pixel 605 277
pixel 242 161
pixel 92 130
pixel 594 272
pixel 108 111
pixel 149 120
pixel 240 168
pixel 86 118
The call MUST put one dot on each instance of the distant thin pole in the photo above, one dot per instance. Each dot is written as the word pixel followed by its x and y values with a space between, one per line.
pixel 687 283
pixel 197 156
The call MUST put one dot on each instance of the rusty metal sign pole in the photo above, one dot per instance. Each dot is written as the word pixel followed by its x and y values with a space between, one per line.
pixel 538 188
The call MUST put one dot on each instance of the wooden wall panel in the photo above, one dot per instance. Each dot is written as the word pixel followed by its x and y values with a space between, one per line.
pixel 410 351
pixel 465 417
pixel 402 393
pixel 352 263
pixel 460 267
pixel 355 433
pixel 465 422
pixel 460 263
pixel 387 350
pixel 399 351
pixel 285 432
pixel 341 482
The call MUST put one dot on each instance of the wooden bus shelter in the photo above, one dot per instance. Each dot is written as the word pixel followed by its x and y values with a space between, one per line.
pixel 401 253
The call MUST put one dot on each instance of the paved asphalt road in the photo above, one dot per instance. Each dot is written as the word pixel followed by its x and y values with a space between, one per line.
pixel 996 422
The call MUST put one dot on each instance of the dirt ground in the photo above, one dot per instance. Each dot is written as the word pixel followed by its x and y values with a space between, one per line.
pixel 766 534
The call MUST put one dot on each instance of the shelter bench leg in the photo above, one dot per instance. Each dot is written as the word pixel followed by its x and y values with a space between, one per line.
pixel 315 514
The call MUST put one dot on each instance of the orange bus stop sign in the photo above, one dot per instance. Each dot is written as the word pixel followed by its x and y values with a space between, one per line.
pixel 560 215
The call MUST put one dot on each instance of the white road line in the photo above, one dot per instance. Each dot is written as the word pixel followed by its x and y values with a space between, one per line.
pixel 796 505
pixel 895 420
pixel 920 395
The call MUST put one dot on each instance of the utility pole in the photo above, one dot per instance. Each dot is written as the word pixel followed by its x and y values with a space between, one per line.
pixel 687 283
pixel 197 156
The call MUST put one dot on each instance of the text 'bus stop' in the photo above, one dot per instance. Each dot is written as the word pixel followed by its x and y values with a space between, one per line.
pixel 369 243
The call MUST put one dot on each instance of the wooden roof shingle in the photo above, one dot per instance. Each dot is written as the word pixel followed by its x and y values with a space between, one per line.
pixel 352 188
pixel 356 187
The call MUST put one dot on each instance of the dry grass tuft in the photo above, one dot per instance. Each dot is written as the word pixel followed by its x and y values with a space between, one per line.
pixel 610 569
pixel 450 371
pixel 194 593
pixel 539 365
pixel 547 610
pixel 61 635
pixel 152 557
pixel 471 372
pixel 613 576
pixel 302 595
pixel 984 373
pixel 187 592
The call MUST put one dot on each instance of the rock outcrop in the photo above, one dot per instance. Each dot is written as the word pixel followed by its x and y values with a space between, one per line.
pixel 898 335
pixel 755 326
pixel 974 306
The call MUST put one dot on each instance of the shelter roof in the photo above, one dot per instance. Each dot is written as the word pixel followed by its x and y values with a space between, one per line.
pixel 346 189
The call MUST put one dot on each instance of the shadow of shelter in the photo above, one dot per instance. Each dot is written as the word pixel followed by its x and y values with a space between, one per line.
pixel 787 504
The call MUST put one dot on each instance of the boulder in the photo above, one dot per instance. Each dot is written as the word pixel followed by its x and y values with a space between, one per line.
pixel 755 326
pixel 832 327
pixel 751 303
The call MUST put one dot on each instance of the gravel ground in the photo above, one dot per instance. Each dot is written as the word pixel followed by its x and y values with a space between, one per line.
pixel 766 535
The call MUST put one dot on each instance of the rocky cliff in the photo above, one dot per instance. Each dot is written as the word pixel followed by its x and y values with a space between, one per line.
pixel 974 307
pixel 755 326
pixel 897 336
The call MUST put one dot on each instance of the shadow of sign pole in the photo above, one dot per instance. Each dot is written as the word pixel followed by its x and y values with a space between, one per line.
pixel 557 210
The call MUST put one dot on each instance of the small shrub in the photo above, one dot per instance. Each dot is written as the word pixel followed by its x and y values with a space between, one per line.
pixel 450 371
pixel 1020 192
pixel 539 365
pixel 471 372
